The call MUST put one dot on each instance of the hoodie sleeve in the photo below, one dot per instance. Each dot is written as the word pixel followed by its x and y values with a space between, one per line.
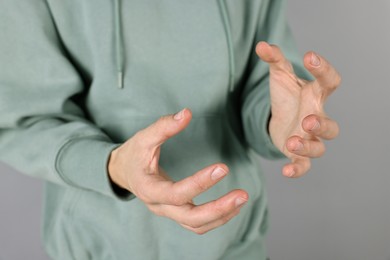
pixel 43 131
pixel 255 102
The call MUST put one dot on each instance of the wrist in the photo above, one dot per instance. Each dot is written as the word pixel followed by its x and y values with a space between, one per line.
pixel 274 130
pixel 113 172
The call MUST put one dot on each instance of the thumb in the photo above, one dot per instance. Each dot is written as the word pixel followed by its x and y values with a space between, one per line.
pixel 165 127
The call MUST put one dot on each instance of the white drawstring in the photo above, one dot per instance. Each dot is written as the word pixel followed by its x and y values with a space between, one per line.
pixel 119 48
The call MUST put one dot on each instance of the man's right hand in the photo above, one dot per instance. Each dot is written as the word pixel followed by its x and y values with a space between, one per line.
pixel 134 166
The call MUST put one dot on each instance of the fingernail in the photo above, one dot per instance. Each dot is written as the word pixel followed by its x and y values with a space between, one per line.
pixel 179 115
pixel 218 173
pixel 316 126
pixel 315 61
pixel 240 202
pixel 291 173
pixel 298 146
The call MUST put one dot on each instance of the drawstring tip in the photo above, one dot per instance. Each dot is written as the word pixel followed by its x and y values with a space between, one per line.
pixel 120 79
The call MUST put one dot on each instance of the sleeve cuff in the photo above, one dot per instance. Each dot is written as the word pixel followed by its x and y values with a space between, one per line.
pixel 256 116
pixel 82 163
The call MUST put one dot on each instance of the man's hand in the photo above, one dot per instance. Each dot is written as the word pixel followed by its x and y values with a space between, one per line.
pixel 135 166
pixel 298 122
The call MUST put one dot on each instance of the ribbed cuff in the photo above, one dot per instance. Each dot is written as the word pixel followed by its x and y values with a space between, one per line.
pixel 82 162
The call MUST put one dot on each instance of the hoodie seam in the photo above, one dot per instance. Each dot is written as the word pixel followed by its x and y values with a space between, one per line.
pixel 229 42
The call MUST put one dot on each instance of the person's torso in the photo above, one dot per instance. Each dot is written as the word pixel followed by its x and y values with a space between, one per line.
pixel 176 54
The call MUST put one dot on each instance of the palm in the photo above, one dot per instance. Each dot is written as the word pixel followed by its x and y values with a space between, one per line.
pixel 298 121
pixel 292 99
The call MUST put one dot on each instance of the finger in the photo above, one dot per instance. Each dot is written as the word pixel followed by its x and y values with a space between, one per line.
pixel 164 128
pixel 321 127
pixel 326 75
pixel 297 168
pixel 309 148
pixel 160 190
pixel 194 185
pixel 273 56
pixel 197 216
pixel 212 225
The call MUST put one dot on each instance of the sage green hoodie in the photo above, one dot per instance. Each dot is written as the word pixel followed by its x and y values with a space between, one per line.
pixel 79 77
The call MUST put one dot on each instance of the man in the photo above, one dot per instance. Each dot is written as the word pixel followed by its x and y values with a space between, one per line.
pixel 84 89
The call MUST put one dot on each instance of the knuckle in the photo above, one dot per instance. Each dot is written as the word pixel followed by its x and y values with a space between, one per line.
pixel 192 223
pixel 220 210
pixel 198 184
pixel 321 150
pixel 336 81
pixel 200 231
pixel 164 118
pixel 195 225
pixel 311 149
pixel 158 122
pixel 143 196
pixel 162 127
pixel 176 199
pixel 162 122
pixel 331 130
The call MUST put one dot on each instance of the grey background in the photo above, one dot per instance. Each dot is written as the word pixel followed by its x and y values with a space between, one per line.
pixel 341 209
